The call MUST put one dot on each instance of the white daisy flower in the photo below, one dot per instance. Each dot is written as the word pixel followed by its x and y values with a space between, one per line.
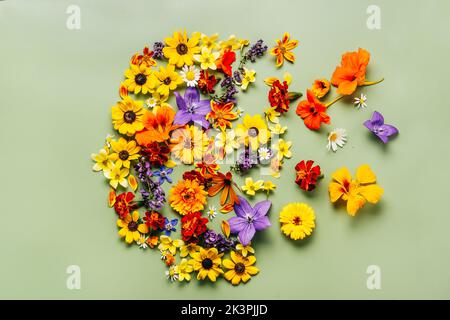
pixel 360 102
pixel 212 212
pixel 337 137
pixel 264 154
pixel 151 102
pixel 142 242
pixel 190 75
pixel 172 274
pixel 240 112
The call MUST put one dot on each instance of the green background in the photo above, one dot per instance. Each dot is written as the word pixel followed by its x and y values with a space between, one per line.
pixel 57 87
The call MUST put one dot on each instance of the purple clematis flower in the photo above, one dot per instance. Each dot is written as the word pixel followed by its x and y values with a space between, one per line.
pixel 248 220
pixel 163 174
pixel 191 108
pixel 377 127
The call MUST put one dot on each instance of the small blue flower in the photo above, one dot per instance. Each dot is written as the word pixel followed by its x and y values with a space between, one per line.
pixel 169 226
pixel 163 174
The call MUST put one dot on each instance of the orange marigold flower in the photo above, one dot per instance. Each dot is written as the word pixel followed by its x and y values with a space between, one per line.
pixel 157 126
pixel 145 58
pixel 312 112
pixel 187 196
pixel 320 88
pixel 352 71
pixel 221 115
pixel 223 182
pixel 283 49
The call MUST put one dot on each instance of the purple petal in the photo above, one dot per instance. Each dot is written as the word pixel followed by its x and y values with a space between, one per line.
pixel 202 107
pixel 261 209
pixel 246 235
pixel 182 117
pixel 377 119
pixel 200 119
pixel 243 208
pixel 180 101
pixel 261 223
pixel 237 224
pixel 368 124
pixel 389 130
pixel 382 137
pixel 191 95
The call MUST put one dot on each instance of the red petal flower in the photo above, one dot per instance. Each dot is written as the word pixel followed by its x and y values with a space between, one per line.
pixel 307 175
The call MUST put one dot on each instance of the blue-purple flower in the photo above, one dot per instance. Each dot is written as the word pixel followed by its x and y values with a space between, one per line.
pixel 248 220
pixel 163 174
pixel 377 126
pixel 169 226
pixel 191 108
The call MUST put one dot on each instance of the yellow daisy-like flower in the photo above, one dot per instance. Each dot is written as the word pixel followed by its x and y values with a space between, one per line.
pixel 168 80
pixel 190 144
pixel 269 186
pixel 297 220
pixel 207 263
pixel 251 187
pixel 245 250
pixel 189 249
pixel 240 268
pixel 277 129
pixel 180 49
pixel 116 176
pixel 253 131
pixel 184 270
pixel 210 42
pixel 207 59
pixel 170 245
pixel 139 79
pixel 127 116
pixel 102 160
pixel 187 196
pixel 283 49
pixel 247 78
pixel 283 149
pixel 272 115
pixel 131 229
pixel 124 152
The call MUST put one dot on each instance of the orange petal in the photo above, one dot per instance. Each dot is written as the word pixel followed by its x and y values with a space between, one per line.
pixel 123 92
pixel 226 228
pixel 289 56
pixel 291 44
pixel 111 197
pixel 226 208
pixel 132 182
pixel 280 60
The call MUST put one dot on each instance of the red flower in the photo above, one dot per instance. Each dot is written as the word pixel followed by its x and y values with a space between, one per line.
pixel 279 96
pixel 307 175
pixel 154 220
pixel 197 175
pixel 123 204
pixel 206 82
pixel 225 62
pixel 193 226
pixel 312 112
pixel 157 153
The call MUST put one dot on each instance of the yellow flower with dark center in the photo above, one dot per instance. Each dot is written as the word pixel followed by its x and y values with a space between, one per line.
pixel 124 152
pixel 187 196
pixel 190 144
pixel 297 220
pixel 131 229
pixel 180 49
pixel 168 80
pixel 127 116
pixel 139 79
pixel 253 131
pixel 240 268
pixel 207 263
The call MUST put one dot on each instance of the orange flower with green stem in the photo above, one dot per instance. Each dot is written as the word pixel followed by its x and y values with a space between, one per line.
pixel 283 49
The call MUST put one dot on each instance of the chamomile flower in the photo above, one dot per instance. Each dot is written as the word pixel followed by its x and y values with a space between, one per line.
pixel 151 102
pixel 264 154
pixel 142 242
pixel 172 274
pixel 190 75
pixel 240 112
pixel 337 137
pixel 360 102
pixel 212 212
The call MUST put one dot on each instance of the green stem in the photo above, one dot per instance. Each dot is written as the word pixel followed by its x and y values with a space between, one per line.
pixel 371 83
pixel 329 104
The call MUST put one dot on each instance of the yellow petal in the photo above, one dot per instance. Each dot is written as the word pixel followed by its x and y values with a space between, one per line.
pixel 132 182
pixel 342 175
pixel 372 192
pixel 135 216
pixel 335 191
pixel 365 175
pixel 269 81
pixel 288 78
pixel 355 203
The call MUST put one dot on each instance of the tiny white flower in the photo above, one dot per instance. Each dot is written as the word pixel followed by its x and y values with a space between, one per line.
pixel 172 273
pixel 190 75
pixel 240 112
pixel 142 242
pixel 108 139
pixel 212 212
pixel 264 154
pixel 360 102
pixel 337 137
pixel 151 102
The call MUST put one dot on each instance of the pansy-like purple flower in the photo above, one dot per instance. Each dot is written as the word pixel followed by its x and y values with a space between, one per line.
pixel 169 226
pixel 163 174
pixel 191 108
pixel 248 220
pixel 377 126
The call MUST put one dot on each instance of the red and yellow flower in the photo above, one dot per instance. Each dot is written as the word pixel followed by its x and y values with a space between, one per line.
pixel 221 115
pixel 283 49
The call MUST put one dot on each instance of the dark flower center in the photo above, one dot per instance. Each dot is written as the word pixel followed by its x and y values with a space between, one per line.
pixel 129 116
pixel 313 110
pixel 182 48
pixel 140 79
pixel 253 132
pixel 188 144
pixel 167 81
pixel 239 268
pixel 186 196
pixel 297 221
pixel 207 263
pixel 132 226
pixel 249 219
pixel 123 155
pixel 227 182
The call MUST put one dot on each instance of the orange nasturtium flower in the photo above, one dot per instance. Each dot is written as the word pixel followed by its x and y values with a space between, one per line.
pixel 320 88
pixel 283 49
pixel 356 192
pixel 223 182
pixel 221 115
pixel 312 112
pixel 157 125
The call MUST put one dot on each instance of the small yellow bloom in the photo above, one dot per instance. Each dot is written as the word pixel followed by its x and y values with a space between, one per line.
pixel 124 152
pixel 245 250
pixel 278 129
pixel 208 264
pixel 240 268
pixel 207 59
pixel 116 176
pixel 102 160
pixel 168 80
pixel 286 77
pixel 269 186
pixel 297 220
pixel 227 141
pixel 131 229
pixel 167 244
pixel 210 42
pixel 283 149
pixel 272 115
pixel 233 43
pixel 185 269
pixel 139 79
pixel 275 166
pixel 247 78
pixel 250 187
pixel 189 249
pixel 127 116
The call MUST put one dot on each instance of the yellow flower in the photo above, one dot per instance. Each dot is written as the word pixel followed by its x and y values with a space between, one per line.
pixel 250 187
pixel 245 250
pixel 124 152
pixel 247 78
pixel 278 129
pixel 189 249
pixel 207 262
pixel 190 144
pixel 240 268
pixel 355 192
pixel 127 116
pixel 131 229
pixel 116 176
pixel 283 49
pixel 297 220
pixel 272 115
pixel 155 100
pixel 180 49
pixel 167 244
pixel 207 59
pixel 184 270
pixel 286 77
pixel 275 165
pixel 320 88
pixel 210 42
pixel 187 196
pixel 102 160
pixel 139 79
pixel 283 149
pixel 269 186
pixel 227 141
pixel 167 79
pixel 253 131
pixel 233 43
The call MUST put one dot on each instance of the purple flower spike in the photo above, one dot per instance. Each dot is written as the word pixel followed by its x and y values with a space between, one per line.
pixel 191 108
pixel 248 220
pixel 377 127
